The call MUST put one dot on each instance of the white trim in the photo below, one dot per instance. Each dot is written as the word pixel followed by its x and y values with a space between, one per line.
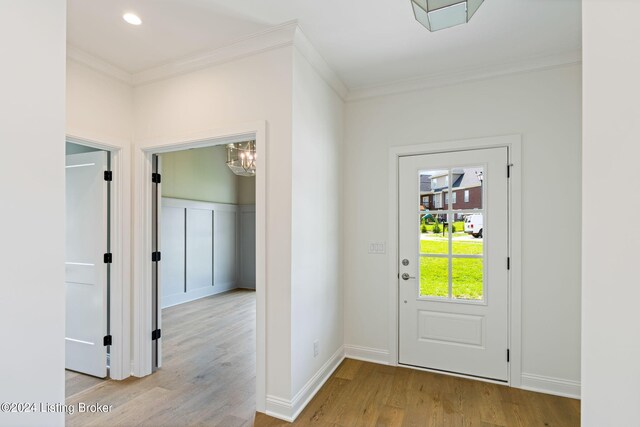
pixel 174 202
pixel 289 410
pixel 550 385
pixel 120 318
pixel 143 152
pixel 98 64
pixel 272 38
pixel 310 53
pixel 467 75
pixel 514 144
pixel 367 354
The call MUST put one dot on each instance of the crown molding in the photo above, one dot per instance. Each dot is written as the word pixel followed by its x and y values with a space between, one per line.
pixel 447 79
pixel 272 38
pixel 98 64
pixel 311 54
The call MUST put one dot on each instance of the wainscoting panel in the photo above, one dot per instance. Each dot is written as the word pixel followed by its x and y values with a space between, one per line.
pixel 199 249
pixel 247 225
pixel 225 247
pixel 199 245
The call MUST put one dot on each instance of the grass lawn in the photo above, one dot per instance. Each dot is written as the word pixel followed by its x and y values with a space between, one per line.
pixel 460 247
pixel 467 273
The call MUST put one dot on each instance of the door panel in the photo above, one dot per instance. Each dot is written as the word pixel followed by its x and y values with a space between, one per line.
pixel 453 248
pixel 173 252
pixel 86 272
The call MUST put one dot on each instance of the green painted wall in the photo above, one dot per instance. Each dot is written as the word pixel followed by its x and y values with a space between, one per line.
pixel 202 174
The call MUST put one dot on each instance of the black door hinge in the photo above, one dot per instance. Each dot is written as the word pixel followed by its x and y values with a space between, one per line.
pixel 508 263
pixel 156 256
pixel 156 335
pixel 108 340
pixel 508 356
pixel 156 178
pixel 108 258
pixel 108 176
pixel 509 170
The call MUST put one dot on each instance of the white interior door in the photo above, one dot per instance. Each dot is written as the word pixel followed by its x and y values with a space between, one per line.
pixel 86 271
pixel 453 262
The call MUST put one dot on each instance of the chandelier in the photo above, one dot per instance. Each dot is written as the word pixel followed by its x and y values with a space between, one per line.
pixel 440 14
pixel 241 158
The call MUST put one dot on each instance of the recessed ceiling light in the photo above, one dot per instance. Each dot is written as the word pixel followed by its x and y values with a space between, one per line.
pixel 132 18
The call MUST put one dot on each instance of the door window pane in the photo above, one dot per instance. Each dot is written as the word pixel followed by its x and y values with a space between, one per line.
pixel 434 277
pixel 469 230
pixel 469 181
pixel 434 184
pixel 467 278
pixel 434 234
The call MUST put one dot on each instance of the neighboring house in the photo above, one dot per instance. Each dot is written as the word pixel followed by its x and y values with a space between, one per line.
pixel 466 190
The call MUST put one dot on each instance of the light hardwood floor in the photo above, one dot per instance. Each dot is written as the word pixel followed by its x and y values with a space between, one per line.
pixel 366 394
pixel 208 379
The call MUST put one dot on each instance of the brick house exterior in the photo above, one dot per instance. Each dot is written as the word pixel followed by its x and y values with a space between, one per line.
pixel 466 191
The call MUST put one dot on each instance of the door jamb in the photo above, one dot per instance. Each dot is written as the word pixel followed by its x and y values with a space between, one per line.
pixel 514 146
pixel 120 290
pixel 143 152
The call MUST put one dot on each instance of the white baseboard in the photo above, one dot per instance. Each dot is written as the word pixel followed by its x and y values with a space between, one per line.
pixel 367 354
pixel 288 410
pixel 177 299
pixel 550 385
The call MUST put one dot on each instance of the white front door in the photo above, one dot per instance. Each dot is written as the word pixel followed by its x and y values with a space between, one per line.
pixel 453 249
pixel 86 271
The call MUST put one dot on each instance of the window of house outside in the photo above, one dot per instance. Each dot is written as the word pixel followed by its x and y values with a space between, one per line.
pixel 466 196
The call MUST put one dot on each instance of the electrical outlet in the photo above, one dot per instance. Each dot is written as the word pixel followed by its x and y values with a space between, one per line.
pixel 316 348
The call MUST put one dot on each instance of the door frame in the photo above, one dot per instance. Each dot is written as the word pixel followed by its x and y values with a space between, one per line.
pixel 142 290
pixel 119 218
pixel 514 323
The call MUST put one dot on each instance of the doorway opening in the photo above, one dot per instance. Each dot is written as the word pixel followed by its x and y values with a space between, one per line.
pixel 204 249
pixel 87 265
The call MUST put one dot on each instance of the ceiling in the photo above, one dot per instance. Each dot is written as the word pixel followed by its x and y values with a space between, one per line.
pixel 366 42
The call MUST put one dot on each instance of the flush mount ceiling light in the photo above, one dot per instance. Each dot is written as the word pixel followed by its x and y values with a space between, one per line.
pixel 241 158
pixel 440 14
pixel 132 18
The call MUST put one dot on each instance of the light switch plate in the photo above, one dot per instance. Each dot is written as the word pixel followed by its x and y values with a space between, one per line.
pixel 377 248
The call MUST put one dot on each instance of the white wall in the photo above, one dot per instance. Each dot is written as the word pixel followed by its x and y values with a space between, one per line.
pixel 32 177
pixel 544 107
pixel 253 88
pixel 99 107
pixel 610 318
pixel 316 288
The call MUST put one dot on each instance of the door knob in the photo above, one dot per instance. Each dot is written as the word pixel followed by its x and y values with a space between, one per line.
pixel 405 276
